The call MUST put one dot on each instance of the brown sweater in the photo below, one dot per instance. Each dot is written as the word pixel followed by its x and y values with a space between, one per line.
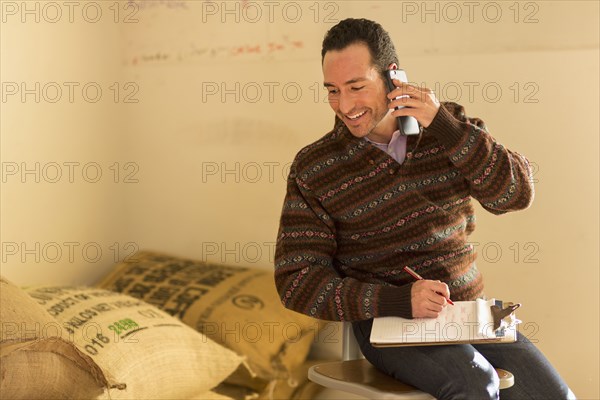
pixel 353 217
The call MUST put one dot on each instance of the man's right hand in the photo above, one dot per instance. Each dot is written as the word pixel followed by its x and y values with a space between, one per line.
pixel 428 298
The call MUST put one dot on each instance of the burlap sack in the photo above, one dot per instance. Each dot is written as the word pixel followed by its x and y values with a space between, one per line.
pixel 211 396
pixel 236 306
pixel 236 392
pixel 296 387
pixel 141 350
pixel 35 361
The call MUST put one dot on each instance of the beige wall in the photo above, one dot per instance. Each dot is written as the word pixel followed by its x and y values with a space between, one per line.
pixel 194 149
pixel 60 129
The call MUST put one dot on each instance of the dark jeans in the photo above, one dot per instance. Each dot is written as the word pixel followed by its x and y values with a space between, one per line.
pixel 466 371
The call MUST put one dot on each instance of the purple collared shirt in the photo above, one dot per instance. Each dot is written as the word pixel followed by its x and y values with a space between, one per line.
pixel 396 148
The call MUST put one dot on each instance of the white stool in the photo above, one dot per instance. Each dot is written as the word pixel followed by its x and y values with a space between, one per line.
pixel 357 376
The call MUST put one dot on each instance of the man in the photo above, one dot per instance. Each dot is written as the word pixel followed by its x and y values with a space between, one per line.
pixel 364 201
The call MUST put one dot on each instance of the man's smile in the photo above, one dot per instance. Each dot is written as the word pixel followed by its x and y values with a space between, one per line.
pixel 356 116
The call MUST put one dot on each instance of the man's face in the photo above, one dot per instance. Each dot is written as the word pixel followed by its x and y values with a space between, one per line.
pixel 357 93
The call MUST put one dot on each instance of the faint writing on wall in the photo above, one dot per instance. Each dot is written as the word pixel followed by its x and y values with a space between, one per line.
pixel 194 53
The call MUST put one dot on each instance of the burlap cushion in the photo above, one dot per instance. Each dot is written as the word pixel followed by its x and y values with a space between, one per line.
pixel 143 352
pixel 236 306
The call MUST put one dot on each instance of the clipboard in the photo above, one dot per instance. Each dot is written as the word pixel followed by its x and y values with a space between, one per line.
pixel 474 322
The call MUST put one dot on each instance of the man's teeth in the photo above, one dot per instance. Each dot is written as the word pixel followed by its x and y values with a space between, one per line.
pixel 356 115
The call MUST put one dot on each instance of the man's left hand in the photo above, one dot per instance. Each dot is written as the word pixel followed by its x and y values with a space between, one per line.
pixel 421 103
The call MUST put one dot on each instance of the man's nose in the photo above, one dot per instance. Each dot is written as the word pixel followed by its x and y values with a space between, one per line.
pixel 345 103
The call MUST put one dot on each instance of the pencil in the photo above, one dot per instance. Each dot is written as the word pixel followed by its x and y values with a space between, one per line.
pixel 420 278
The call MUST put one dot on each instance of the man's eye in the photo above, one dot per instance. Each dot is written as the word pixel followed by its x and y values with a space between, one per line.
pixel 332 91
pixel 357 88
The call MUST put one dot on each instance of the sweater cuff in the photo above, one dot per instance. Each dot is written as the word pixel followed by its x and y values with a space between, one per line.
pixel 395 301
pixel 446 128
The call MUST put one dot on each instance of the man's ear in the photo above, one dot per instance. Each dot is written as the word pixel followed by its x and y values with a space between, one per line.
pixel 393 66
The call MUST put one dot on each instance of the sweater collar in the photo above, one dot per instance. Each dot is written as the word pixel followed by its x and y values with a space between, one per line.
pixel 342 130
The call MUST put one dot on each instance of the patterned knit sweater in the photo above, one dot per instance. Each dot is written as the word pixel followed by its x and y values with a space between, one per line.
pixel 353 217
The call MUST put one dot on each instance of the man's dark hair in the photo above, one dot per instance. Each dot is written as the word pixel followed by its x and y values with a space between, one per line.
pixel 351 31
